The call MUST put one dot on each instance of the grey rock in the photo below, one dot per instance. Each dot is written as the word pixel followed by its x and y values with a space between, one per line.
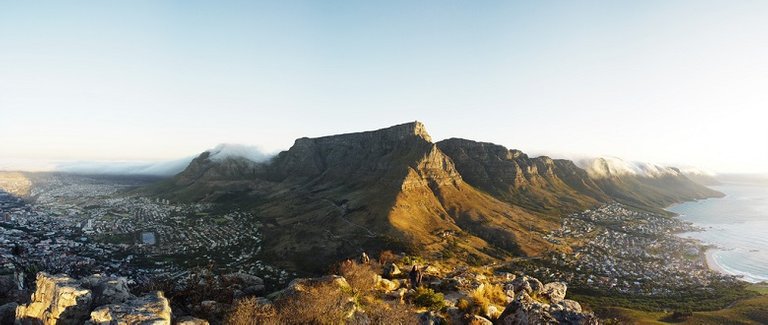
pixel 151 309
pixel 555 291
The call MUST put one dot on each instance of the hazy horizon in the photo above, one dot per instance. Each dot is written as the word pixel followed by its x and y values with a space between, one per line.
pixel 675 83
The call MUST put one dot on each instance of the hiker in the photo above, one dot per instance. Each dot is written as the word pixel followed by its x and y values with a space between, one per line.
pixel 415 276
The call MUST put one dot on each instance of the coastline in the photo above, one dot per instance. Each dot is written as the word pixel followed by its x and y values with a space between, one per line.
pixel 707 255
pixel 711 263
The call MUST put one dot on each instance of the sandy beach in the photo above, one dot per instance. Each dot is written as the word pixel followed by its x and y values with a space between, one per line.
pixel 711 263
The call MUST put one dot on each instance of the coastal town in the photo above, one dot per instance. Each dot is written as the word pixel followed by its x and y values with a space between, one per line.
pixel 621 250
pixel 81 225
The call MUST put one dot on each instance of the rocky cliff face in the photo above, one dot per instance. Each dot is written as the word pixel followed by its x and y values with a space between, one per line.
pixel 540 184
pixel 59 299
pixel 331 197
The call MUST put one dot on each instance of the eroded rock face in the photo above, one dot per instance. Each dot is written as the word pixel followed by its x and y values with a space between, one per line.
pixel 555 291
pixel 530 285
pixel 525 309
pixel 106 290
pixel 58 299
pixel 152 309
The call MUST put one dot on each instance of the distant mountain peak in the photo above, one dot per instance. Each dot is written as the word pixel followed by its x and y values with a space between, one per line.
pixel 403 131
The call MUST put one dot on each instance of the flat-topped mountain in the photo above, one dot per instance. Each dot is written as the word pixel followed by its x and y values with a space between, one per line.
pixel 334 196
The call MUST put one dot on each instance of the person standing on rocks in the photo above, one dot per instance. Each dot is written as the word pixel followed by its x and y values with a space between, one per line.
pixel 415 276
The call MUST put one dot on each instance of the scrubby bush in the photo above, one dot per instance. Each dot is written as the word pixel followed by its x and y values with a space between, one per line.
pixel 387 257
pixel 361 277
pixel 380 312
pixel 485 296
pixel 429 299
pixel 319 304
pixel 323 303
pixel 410 260
pixel 464 305
pixel 249 311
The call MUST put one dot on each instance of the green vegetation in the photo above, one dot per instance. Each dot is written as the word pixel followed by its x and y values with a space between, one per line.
pixel 720 297
pixel 751 311
pixel 429 299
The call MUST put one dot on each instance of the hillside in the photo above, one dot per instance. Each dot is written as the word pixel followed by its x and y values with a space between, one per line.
pixel 331 197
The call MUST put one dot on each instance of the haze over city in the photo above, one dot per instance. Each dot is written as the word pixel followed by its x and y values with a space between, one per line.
pixel 680 83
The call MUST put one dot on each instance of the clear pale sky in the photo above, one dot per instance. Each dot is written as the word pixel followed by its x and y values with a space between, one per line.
pixel 677 82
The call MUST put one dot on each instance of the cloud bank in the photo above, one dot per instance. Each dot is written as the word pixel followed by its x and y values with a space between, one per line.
pixel 603 167
pixel 230 150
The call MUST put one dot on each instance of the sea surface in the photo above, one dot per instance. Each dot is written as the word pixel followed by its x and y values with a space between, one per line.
pixel 737 224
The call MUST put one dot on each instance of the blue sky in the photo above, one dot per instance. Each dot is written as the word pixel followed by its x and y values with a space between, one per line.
pixel 678 82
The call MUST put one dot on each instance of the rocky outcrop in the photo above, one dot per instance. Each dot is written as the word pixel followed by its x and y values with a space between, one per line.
pixel 555 291
pixel 244 284
pixel 391 270
pixel 540 183
pixel 59 299
pixel 151 309
pixel 554 309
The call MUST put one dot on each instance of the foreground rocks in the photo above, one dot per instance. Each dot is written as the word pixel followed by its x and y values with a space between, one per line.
pixel 59 299
pixel 149 309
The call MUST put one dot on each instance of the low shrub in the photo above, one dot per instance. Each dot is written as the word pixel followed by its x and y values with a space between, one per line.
pixel 429 299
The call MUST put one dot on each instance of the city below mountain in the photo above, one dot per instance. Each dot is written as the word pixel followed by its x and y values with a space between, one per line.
pixel 240 237
pixel 327 198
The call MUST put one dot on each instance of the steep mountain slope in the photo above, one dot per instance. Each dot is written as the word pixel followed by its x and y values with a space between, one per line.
pixel 392 188
pixel 331 197
pixel 540 184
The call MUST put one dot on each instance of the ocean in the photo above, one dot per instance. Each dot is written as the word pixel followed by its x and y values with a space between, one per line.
pixel 737 224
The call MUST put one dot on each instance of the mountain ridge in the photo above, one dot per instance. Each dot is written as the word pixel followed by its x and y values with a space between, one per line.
pixel 393 188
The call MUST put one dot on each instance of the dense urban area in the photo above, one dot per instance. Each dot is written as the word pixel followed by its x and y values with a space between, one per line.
pixel 80 225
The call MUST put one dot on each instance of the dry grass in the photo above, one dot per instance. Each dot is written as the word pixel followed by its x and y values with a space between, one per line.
pixel 319 304
pixel 387 257
pixel 383 313
pixel 361 277
pixel 483 297
pixel 249 311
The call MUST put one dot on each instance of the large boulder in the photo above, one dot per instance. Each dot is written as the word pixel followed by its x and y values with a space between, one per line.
pixel 530 285
pixel 388 285
pixel 151 309
pixel 527 310
pixel 391 270
pixel 107 290
pixel 301 284
pixel 58 299
pixel 555 291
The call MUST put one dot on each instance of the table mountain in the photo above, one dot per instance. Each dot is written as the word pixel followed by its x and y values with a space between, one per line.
pixel 393 188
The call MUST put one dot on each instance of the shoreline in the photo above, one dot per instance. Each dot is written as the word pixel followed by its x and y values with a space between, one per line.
pixel 711 263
